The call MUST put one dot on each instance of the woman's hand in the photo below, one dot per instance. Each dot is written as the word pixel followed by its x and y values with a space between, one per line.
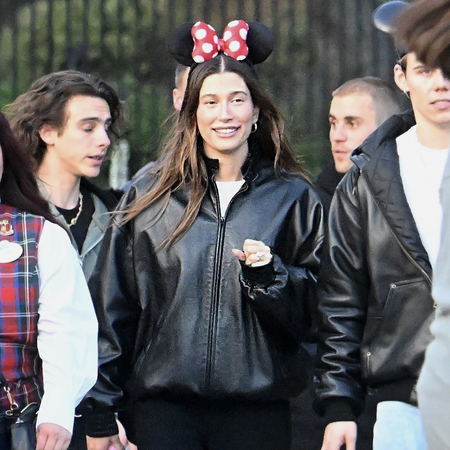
pixel 254 253
pixel 123 438
pixel 339 433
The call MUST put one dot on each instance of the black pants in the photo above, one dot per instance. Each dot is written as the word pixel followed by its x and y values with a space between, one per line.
pixel 308 428
pixel 170 425
pixel 4 435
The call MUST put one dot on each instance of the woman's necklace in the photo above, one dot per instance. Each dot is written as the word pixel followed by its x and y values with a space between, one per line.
pixel 80 208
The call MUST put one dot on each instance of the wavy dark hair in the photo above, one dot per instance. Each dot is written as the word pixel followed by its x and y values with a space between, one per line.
pixel 182 163
pixel 18 187
pixel 45 103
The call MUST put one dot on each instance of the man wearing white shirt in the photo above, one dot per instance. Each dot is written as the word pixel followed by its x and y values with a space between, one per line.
pixel 423 27
pixel 375 282
pixel 67 121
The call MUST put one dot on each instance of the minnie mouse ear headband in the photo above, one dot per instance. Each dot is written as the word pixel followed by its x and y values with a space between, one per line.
pixel 198 42
pixel 385 16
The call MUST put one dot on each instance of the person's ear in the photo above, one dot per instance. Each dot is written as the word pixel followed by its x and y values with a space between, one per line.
pixel 178 97
pixel 255 114
pixel 400 78
pixel 47 134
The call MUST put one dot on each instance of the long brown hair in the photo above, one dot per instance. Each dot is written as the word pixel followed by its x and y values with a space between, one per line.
pixel 18 185
pixel 182 163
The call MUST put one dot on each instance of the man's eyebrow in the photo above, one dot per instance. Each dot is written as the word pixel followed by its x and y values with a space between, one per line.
pixel 95 119
pixel 421 66
pixel 346 118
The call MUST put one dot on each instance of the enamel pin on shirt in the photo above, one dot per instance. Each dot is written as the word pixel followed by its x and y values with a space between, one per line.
pixel 6 229
pixel 9 251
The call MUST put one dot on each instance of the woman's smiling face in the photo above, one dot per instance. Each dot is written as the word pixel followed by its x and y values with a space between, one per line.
pixel 225 115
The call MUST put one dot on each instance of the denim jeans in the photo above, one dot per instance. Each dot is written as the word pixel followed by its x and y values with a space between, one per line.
pixel 398 427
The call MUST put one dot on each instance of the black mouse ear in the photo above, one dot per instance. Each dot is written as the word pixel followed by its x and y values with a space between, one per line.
pixel 259 42
pixel 181 44
pixel 385 15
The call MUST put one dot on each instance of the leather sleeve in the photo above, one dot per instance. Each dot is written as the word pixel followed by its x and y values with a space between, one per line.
pixel 282 292
pixel 343 288
pixel 114 293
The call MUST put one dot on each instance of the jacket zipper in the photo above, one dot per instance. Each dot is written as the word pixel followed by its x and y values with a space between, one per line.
pixel 427 277
pixel 212 329
pixel 411 259
pixel 414 262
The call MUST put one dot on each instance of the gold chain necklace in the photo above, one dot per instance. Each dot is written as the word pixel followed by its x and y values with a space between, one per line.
pixel 80 208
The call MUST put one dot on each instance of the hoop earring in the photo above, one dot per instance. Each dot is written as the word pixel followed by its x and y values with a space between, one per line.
pixel 254 127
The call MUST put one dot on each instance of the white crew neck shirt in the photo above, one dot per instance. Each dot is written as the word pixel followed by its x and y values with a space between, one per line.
pixel 421 170
pixel 227 190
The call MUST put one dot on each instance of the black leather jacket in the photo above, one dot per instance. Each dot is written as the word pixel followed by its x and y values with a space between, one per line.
pixel 190 320
pixel 374 284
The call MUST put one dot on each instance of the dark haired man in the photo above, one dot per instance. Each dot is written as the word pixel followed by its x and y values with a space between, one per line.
pixel 66 120
pixel 424 28
pixel 375 282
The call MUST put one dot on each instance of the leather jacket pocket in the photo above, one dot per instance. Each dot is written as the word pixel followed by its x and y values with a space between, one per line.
pixel 395 339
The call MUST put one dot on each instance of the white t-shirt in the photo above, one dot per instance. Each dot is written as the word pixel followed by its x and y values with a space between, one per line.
pixel 67 328
pixel 421 170
pixel 227 190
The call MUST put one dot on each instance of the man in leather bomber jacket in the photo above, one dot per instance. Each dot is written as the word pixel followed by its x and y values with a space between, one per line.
pixel 424 28
pixel 375 280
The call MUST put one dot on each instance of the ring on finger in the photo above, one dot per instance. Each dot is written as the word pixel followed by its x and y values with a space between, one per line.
pixel 259 255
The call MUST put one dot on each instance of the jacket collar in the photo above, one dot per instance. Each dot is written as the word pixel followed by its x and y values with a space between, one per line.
pixel 104 201
pixel 253 168
pixel 378 161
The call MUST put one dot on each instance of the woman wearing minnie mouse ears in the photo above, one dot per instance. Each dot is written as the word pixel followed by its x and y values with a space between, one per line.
pixel 203 282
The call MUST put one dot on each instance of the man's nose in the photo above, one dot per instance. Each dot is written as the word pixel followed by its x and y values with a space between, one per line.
pixel 337 133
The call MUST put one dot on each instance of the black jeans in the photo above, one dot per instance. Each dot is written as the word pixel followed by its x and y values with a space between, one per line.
pixel 162 424
pixel 4 434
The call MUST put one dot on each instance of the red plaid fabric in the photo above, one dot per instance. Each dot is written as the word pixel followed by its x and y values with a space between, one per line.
pixel 19 293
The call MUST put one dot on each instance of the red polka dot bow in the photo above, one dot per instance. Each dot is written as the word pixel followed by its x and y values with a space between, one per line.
pixel 207 44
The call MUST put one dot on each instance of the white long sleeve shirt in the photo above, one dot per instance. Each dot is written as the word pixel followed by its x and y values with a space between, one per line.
pixel 421 169
pixel 67 329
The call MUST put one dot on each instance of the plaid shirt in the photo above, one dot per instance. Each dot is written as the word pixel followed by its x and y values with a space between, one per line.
pixel 19 292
